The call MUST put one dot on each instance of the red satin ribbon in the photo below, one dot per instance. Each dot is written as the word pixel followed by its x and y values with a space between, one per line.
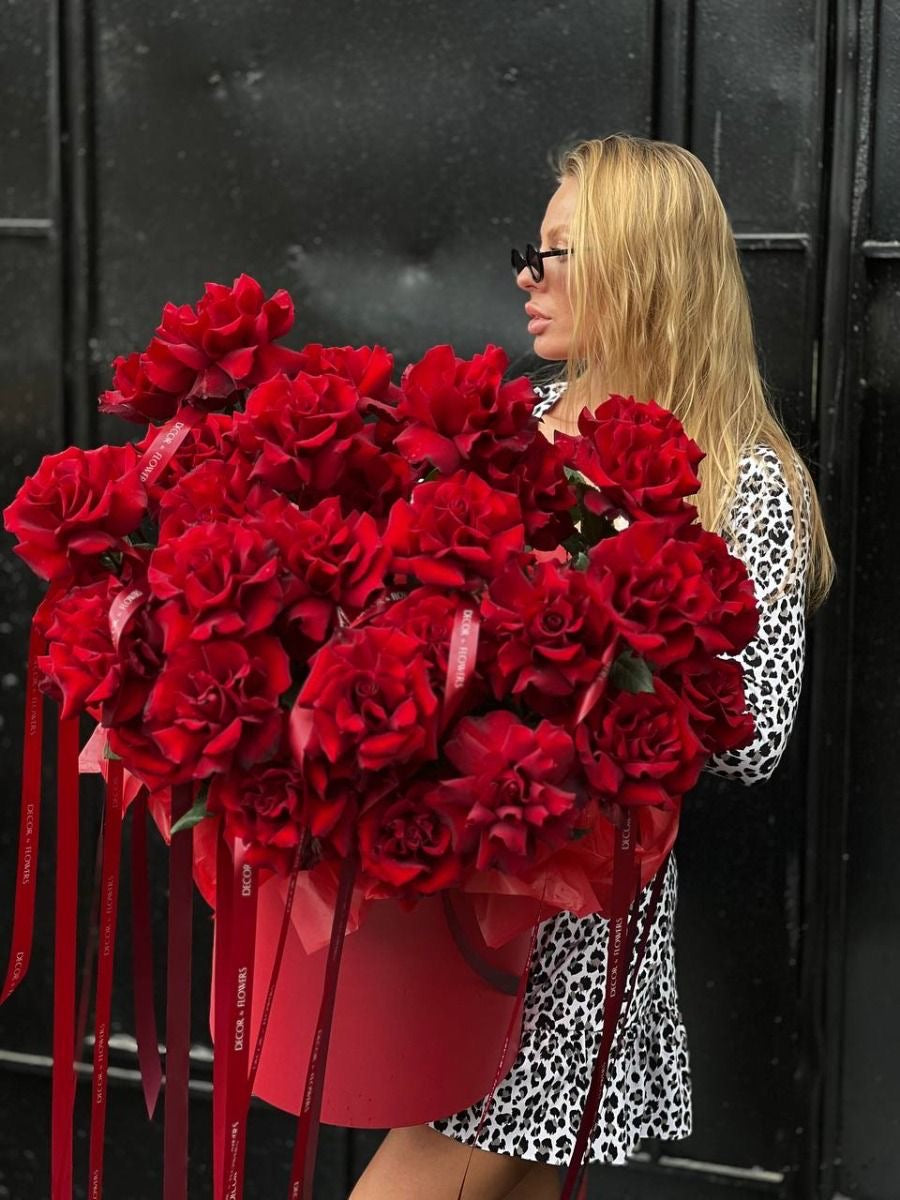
pixel 161 450
pixel 145 1028
pixel 108 908
pixel 304 1161
pixel 224 870
pixel 29 821
pixel 122 611
pixel 178 1002
pixel 240 942
pixel 624 893
pixel 63 1082
pixel 461 657
pixel 488 1101
pixel 276 966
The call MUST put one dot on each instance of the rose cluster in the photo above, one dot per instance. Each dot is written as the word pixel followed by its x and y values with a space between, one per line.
pixel 385 619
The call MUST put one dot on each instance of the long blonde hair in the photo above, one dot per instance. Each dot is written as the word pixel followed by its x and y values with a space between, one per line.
pixel 661 311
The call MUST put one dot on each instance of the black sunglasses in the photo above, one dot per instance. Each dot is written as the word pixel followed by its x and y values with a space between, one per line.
pixel 533 259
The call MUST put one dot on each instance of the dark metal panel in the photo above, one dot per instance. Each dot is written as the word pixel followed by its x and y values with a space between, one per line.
pixel 885 215
pixel 755 108
pixel 778 282
pixel 870 1104
pixel 24 132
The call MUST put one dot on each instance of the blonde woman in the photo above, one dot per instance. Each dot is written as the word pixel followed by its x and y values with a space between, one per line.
pixel 637 289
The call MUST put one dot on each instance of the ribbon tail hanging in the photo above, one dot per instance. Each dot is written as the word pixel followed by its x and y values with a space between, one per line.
pixel 108 908
pixel 304 1161
pixel 178 1003
pixel 63 1081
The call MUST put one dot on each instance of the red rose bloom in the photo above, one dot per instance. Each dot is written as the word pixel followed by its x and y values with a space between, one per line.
pixel 79 646
pixel 456 532
pixel 324 553
pixel 516 811
pixel 545 494
pixel 266 808
pixel 301 427
pixel 212 440
pixel 213 708
pixel 220 579
pixel 83 670
pixel 79 505
pixel 407 844
pixel 638 455
pixel 713 690
pixel 427 614
pixel 213 491
pixel 133 396
pixel 668 594
pixel 640 748
pixel 460 413
pixel 368 368
pixel 208 355
pixel 371 700
pixel 373 478
pixel 549 639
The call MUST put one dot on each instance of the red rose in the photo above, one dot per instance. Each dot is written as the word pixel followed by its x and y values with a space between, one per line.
pixel 220 579
pixel 264 807
pixel 368 368
pixel 335 796
pixel 79 646
pixel 735 619
pixel 427 614
pixel 456 532
pixel 638 455
pixel 212 440
pixel 460 413
pixel 213 708
pixel 371 700
pixel 133 396
pixel 208 355
pixel 639 748
pixel 372 478
pixel 213 491
pixel 668 594
pixel 548 638
pixel 407 843
pixel 516 811
pixel 324 555
pixel 301 427
pixel 713 690
pixel 545 494
pixel 78 506
pixel 83 671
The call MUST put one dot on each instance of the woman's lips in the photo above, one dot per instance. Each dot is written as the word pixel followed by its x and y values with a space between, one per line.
pixel 538 324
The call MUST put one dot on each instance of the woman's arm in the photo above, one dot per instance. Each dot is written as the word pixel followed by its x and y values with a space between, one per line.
pixel 763 524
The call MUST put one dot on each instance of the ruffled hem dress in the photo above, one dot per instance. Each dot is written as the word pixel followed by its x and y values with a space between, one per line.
pixel 538 1104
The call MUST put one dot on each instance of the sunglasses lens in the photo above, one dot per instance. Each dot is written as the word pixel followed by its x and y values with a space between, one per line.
pixel 535 263
pixel 518 262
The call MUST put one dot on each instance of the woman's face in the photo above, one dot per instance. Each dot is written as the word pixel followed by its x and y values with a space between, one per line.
pixel 551 321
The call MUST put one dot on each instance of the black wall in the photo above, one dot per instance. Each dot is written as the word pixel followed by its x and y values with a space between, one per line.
pixel 378 161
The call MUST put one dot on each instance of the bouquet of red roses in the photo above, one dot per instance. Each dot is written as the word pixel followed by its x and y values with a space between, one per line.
pixel 386 640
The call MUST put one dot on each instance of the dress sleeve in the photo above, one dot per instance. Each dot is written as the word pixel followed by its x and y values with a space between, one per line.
pixel 762 523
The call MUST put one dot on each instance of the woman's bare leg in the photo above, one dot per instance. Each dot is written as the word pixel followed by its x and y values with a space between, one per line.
pixel 541 1183
pixel 418 1163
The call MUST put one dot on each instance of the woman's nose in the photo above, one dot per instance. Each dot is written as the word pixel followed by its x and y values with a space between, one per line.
pixel 525 280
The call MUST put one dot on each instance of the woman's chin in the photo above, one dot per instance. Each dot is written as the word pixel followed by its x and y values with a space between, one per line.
pixel 550 348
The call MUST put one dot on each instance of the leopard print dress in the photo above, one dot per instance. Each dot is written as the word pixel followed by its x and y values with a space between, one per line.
pixel 537 1105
